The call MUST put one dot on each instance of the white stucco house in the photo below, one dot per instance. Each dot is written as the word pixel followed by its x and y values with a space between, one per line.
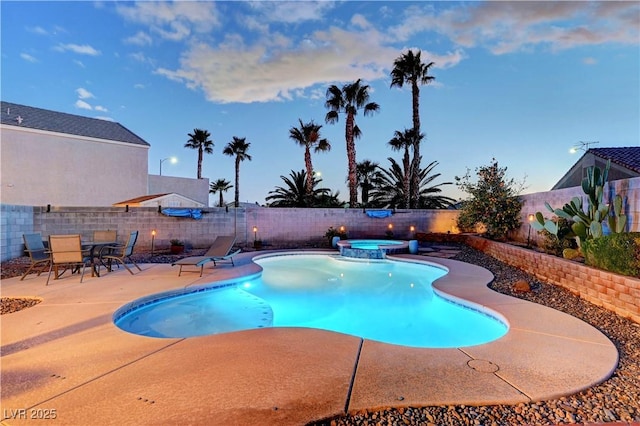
pixel 50 157
pixel 59 159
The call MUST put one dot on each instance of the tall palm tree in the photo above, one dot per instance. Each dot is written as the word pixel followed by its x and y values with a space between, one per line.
pixel 348 100
pixel 389 191
pixel 409 68
pixel 405 140
pixel 366 171
pixel 199 140
pixel 308 135
pixel 221 185
pixel 238 147
pixel 294 193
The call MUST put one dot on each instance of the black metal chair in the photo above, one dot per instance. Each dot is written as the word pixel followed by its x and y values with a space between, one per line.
pixel 38 254
pixel 120 253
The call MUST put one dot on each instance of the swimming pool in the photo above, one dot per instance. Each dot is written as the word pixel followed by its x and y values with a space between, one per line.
pixel 384 300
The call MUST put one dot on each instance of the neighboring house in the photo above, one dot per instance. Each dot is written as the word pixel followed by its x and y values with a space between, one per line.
pixel 625 164
pixel 50 157
pixel 195 189
pixel 164 200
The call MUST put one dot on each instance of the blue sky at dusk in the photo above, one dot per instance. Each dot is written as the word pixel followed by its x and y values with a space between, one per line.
pixel 521 82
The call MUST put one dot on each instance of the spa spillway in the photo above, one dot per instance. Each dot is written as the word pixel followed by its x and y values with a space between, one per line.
pixel 371 249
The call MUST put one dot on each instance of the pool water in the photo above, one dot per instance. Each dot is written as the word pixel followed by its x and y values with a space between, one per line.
pixel 387 301
pixel 373 244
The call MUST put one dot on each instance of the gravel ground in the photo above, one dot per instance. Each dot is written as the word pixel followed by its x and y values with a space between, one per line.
pixel 615 400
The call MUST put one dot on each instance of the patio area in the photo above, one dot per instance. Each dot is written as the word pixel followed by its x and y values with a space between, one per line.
pixel 66 356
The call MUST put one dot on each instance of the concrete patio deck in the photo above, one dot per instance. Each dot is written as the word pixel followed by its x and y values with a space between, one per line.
pixel 65 356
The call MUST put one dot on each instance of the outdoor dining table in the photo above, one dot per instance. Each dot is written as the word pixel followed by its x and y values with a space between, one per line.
pixel 91 247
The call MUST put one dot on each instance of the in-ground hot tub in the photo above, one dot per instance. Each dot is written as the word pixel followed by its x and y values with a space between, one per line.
pixel 371 249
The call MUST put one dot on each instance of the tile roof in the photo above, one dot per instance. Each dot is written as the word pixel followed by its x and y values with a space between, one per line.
pixel 60 122
pixel 628 157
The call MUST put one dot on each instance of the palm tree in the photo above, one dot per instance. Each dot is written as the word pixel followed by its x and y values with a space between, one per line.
pixel 409 68
pixel 199 140
pixel 366 171
pixel 389 190
pixel 308 135
pixel 238 147
pixel 429 196
pixel 221 185
pixel 348 101
pixel 405 140
pixel 294 193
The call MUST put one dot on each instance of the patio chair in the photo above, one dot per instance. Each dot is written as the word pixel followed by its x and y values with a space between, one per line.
pixel 66 250
pixel 98 240
pixel 107 236
pixel 120 253
pixel 38 253
pixel 219 251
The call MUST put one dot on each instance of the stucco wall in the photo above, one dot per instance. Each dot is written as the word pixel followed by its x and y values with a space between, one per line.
pixel 196 189
pixel 40 168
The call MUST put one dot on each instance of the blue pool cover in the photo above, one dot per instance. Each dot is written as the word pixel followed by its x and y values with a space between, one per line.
pixel 191 213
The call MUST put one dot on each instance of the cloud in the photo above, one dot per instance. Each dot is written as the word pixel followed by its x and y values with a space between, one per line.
pixel 84 93
pixel 291 11
pixel 100 108
pixel 141 57
pixel 28 58
pixel 84 49
pixel 173 21
pixel 79 63
pixel 37 30
pixel 82 105
pixel 506 27
pixel 140 39
pixel 234 72
pixel 589 61
pixel 99 117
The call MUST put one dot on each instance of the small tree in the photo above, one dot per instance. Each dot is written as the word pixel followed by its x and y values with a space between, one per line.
pixel 494 201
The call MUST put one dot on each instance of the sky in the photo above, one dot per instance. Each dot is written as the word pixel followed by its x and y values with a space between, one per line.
pixel 521 82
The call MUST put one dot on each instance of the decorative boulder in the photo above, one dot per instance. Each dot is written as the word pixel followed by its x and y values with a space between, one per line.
pixel 521 286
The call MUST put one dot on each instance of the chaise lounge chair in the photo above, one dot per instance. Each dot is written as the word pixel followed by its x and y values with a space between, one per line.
pixel 219 251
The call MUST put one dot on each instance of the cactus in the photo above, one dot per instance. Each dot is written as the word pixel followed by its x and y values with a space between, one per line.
pixel 541 223
pixel 617 221
pixel 587 224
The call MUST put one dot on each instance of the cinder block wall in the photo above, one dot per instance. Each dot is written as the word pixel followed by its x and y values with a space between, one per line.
pixel 14 222
pixel 615 292
pixel 274 225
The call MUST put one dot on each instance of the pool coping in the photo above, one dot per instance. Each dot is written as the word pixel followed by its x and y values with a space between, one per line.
pixel 66 355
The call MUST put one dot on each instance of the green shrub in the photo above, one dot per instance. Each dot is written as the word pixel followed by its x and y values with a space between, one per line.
pixel 494 201
pixel 619 253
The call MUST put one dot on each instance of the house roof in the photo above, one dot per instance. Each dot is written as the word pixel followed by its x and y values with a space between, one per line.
pixel 60 122
pixel 142 198
pixel 625 163
pixel 628 157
